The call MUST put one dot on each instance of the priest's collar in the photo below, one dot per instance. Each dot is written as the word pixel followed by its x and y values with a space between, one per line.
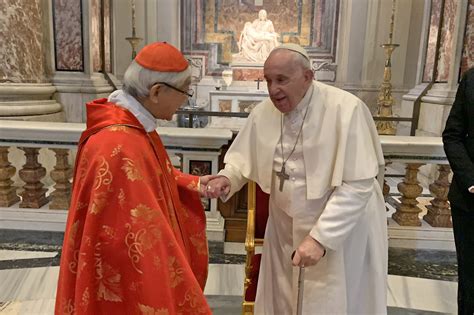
pixel 122 99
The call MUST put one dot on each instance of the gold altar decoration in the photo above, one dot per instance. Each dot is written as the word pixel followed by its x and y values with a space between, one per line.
pixel 385 99
pixel 134 40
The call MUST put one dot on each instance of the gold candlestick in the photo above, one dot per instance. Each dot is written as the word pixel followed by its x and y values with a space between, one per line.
pixel 134 40
pixel 385 99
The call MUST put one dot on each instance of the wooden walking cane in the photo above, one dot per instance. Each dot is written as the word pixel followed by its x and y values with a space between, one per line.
pixel 299 305
pixel 299 299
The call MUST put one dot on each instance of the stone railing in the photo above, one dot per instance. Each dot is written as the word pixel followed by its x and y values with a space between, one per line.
pixel 192 150
pixel 415 152
pixel 37 207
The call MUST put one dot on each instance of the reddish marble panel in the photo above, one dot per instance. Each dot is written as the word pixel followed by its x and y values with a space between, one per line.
pixel 468 44
pixel 95 35
pixel 446 40
pixel 21 38
pixel 108 64
pixel 432 38
pixel 447 36
pixel 240 74
pixel 68 35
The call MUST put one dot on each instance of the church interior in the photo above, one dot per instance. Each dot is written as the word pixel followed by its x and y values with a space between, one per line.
pixel 403 58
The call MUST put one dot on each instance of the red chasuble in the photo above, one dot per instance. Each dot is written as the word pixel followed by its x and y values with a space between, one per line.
pixel 135 239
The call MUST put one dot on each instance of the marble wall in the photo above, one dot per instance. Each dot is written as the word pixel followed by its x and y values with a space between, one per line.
pixel 67 19
pixel 95 35
pixel 468 48
pixel 107 36
pixel 448 14
pixel 214 27
pixel 96 29
pixel 22 51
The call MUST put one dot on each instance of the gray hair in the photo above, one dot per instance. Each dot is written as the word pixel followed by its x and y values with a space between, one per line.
pixel 137 80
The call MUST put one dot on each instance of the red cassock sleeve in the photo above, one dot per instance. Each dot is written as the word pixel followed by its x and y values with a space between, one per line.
pixel 135 243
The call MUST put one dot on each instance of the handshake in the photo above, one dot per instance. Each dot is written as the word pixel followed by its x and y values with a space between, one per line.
pixel 214 186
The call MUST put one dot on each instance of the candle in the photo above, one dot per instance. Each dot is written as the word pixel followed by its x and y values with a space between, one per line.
pixel 133 18
pixel 392 22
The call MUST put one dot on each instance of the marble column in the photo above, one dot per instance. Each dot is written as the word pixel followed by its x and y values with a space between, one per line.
pixel 26 92
pixel 456 42
pixel 78 65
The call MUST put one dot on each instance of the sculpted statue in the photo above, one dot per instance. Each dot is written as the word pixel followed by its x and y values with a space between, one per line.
pixel 257 39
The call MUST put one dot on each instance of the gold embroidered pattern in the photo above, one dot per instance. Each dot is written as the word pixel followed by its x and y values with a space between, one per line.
pixel 82 167
pixel 199 242
pixel 131 170
pixel 73 234
pixel 85 298
pixel 116 150
pixel 134 286
pixel 193 186
pixel 109 286
pixel 175 271
pixel 80 206
pixel 143 213
pixel 118 128
pixel 148 310
pixel 192 297
pixel 72 266
pixel 103 175
pixel 169 167
pixel 82 265
pixel 108 278
pixel 121 198
pixel 157 262
pixel 134 246
pixel 68 307
pixel 98 203
pixel 109 231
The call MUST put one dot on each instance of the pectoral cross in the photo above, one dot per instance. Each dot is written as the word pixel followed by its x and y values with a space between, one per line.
pixel 283 176
pixel 258 83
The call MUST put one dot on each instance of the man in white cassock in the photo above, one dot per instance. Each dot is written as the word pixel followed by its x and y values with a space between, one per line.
pixel 314 148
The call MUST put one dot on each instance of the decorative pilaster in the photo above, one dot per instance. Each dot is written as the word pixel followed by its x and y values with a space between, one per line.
pixel 8 194
pixel 62 173
pixel 407 211
pixel 439 213
pixel 34 195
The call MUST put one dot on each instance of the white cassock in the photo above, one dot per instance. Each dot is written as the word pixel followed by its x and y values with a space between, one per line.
pixel 332 195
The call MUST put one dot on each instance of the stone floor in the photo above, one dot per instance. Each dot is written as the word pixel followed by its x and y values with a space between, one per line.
pixel 35 255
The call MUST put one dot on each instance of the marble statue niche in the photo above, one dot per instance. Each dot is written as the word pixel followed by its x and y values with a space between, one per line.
pixel 257 40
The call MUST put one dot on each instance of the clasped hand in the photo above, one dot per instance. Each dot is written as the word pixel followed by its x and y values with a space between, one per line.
pixel 308 253
pixel 214 186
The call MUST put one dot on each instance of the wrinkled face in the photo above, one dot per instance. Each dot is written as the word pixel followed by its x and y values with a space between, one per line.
pixel 262 15
pixel 287 81
pixel 164 101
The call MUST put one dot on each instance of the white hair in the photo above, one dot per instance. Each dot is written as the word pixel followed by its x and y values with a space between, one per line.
pixel 138 80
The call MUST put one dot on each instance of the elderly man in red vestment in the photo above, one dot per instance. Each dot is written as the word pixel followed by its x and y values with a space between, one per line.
pixel 135 239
